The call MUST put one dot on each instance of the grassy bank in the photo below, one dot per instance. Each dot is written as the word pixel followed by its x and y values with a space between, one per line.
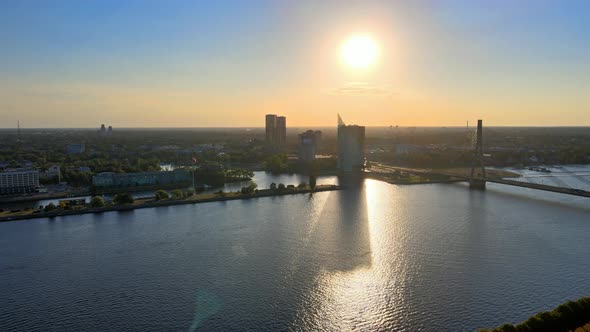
pixel 153 202
pixel 570 316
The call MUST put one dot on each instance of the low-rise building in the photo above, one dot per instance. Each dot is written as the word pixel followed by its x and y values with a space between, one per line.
pixel 84 169
pixel 308 144
pixel 53 172
pixel 19 181
pixel 75 148
pixel 129 180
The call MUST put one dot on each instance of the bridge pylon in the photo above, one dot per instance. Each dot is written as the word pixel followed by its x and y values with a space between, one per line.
pixel 478 182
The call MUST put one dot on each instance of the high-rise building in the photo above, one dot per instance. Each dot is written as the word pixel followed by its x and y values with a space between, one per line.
pixel 19 181
pixel 351 147
pixel 271 125
pixel 276 130
pixel 308 144
pixel 281 131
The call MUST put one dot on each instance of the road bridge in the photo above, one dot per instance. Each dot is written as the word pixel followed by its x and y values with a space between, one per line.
pixel 478 180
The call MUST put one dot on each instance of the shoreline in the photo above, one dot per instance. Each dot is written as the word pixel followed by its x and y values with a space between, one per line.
pixel 170 202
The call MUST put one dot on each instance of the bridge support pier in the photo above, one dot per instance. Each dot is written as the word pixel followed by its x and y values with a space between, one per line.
pixel 477 184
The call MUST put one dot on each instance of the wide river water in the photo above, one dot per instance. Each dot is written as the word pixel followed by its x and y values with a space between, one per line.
pixel 379 257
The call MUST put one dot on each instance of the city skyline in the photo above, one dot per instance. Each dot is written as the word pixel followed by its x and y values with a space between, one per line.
pixel 73 64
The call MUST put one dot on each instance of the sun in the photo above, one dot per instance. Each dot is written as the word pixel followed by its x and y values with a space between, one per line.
pixel 359 51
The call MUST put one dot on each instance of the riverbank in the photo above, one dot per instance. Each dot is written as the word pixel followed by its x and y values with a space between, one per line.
pixel 152 202
pixel 570 316
pixel 40 197
pixel 409 176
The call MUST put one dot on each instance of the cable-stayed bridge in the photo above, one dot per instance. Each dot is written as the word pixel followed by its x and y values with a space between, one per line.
pixel 478 178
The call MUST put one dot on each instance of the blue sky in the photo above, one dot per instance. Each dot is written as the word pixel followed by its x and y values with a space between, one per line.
pixel 227 63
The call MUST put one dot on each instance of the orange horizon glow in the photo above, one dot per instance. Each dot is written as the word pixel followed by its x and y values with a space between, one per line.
pixel 377 64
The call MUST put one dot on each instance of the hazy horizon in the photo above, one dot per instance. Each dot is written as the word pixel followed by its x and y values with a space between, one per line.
pixel 301 127
pixel 73 64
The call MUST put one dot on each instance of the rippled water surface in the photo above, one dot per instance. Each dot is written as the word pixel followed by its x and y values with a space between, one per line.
pixel 380 257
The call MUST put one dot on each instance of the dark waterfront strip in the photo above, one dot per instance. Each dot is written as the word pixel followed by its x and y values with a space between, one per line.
pixel 570 316
pixel 155 203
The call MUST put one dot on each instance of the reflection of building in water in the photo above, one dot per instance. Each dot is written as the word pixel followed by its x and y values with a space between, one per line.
pixel 351 147
pixel 308 145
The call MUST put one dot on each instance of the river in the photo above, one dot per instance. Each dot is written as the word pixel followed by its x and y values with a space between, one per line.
pixel 382 257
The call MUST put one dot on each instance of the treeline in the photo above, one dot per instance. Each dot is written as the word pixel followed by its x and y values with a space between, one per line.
pixel 215 176
pixel 455 158
pixel 567 317
pixel 279 163
pixel 130 150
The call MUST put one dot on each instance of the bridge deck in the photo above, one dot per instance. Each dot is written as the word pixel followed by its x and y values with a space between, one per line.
pixel 568 191
pixel 422 172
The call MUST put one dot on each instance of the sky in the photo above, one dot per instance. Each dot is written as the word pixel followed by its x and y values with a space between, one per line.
pixel 228 63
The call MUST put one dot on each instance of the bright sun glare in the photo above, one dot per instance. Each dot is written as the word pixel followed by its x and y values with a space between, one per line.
pixel 359 51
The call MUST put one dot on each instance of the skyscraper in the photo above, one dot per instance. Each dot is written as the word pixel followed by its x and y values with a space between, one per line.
pixel 281 131
pixel 276 130
pixel 271 124
pixel 351 147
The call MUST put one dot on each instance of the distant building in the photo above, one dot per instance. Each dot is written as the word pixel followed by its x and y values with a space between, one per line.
pixel 126 180
pixel 351 147
pixel 84 169
pixel 103 131
pixel 402 149
pixel 318 137
pixel 51 173
pixel 308 144
pixel 75 148
pixel 19 181
pixel 276 130
pixel 281 131
pixel 271 125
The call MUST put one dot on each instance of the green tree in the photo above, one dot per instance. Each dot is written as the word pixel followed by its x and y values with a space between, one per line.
pixel 277 163
pixel 281 187
pixel 162 194
pixel 249 189
pixel 123 198
pixel 302 185
pixel 177 194
pixel 49 207
pixel 97 201
pixel 273 186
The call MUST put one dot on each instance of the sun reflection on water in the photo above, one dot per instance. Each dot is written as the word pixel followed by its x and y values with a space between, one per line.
pixel 356 288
